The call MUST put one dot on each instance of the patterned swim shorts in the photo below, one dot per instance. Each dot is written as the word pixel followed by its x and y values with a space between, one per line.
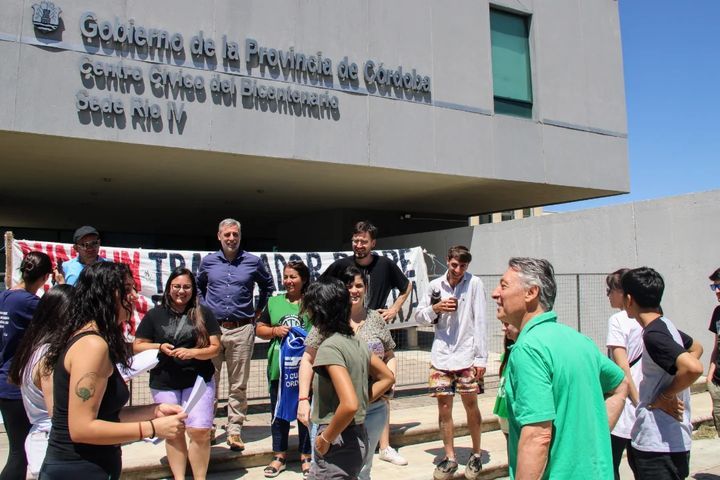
pixel 450 382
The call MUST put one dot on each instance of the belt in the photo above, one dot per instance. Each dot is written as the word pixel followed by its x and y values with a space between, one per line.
pixel 236 322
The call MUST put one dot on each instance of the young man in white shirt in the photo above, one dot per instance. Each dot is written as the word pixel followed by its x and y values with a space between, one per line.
pixel 459 355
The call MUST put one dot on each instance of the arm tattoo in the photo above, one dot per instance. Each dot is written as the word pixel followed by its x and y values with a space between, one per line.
pixel 85 387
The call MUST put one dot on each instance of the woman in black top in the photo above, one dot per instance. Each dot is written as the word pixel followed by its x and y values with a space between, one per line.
pixel 89 420
pixel 188 337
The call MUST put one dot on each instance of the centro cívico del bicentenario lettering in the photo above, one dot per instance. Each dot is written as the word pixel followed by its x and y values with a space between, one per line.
pixel 175 85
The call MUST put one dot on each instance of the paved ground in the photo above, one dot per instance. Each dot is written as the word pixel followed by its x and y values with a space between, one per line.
pixel 414 426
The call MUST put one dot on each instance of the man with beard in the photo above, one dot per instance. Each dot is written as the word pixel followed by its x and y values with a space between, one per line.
pixel 226 281
pixel 382 274
pixel 459 355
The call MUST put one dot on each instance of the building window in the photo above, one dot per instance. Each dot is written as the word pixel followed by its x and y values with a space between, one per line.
pixel 508 215
pixel 527 212
pixel 512 83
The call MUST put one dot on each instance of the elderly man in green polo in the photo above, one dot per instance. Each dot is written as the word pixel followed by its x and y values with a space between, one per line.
pixel 557 381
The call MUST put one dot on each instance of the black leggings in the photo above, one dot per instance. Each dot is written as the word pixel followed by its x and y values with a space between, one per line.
pixel 17 427
pixel 619 445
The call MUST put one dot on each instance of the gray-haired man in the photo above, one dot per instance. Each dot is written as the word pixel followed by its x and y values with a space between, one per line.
pixel 226 281
pixel 555 376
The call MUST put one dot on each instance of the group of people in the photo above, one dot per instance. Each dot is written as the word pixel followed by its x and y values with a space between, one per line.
pixel 64 356
pixel 568 411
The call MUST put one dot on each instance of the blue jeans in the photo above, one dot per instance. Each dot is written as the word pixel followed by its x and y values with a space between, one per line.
pixel 375 419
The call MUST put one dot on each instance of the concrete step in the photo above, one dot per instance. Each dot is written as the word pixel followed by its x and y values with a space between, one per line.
pixel 422 458
pixel 413 425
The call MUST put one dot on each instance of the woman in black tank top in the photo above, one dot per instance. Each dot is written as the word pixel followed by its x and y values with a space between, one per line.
pixel 89 419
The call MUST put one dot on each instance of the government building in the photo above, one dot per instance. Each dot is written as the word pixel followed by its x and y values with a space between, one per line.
pixel 154 120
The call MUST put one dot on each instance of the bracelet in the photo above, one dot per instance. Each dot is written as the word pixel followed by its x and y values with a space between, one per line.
pixel 323 438
pixel 300 399
pixel 140 430
pixel 153 429
pixel 666 396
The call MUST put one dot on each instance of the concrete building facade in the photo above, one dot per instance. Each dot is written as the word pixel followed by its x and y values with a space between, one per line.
pixel 157 119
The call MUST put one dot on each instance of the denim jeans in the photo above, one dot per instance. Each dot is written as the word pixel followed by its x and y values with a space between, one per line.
pixel 375 419
pixel 281 428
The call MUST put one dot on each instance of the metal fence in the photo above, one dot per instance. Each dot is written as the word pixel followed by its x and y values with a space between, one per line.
pixel 581 303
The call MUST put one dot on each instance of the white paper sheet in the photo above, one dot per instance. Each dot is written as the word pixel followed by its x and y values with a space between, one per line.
pixel 141 363
pixel 195 395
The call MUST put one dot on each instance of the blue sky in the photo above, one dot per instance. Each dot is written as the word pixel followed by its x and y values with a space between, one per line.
pixel 671 55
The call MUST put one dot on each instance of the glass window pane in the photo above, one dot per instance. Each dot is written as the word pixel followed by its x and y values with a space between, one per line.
pixel 510 56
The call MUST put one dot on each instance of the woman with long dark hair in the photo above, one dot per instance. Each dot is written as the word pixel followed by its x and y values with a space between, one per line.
pixel 342 366
pixel 17 307
pixel 30 371
pixel 89 418
pixel 188 337
pixel 510 334
pixel 280 315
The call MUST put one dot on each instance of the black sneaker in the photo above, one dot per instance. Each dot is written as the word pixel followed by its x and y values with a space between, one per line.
pixel 474 467
pixel 445 470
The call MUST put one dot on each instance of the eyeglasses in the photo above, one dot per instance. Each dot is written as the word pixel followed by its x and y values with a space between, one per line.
pixel 178 287
pixel 715 287
pixel 89 245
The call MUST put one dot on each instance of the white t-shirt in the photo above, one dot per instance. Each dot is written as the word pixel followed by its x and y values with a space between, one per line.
pixel 627 333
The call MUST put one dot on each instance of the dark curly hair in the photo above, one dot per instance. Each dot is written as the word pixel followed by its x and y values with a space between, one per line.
pixel 327 303
pixel 98 290
pixel 50 315
pixel 192 309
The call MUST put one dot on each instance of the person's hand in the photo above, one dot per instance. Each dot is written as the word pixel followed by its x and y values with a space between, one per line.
pixel 171 426
pixel 166 409
pixel 281 331
pixel 388 313
pixel 167 349
pixel 480 372
pixel 303 412
pixel 444 306
pixel 57 276
pixel 184 353
pixel 321 445
pixel 669 404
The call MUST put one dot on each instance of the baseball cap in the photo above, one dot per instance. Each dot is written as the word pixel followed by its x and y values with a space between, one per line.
pixel 82 231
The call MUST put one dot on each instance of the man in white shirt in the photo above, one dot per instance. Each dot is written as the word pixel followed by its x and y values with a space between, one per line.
pixel 459 356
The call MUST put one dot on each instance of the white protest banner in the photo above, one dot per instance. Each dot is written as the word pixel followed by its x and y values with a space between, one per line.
pixel 151 268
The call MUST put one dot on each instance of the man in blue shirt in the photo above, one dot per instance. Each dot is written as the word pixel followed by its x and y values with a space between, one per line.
pixel 226 281
pixel 86 242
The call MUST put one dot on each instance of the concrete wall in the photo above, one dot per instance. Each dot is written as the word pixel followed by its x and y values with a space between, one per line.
pixel 675 235
pixel 577 136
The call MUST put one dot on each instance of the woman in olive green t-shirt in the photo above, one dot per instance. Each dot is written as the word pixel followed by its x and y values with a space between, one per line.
pixel 342 365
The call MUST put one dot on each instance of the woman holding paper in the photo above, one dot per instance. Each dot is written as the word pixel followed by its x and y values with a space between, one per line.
pixel 89 418
pixel 281 314
pixel 34 376
pixel 188 337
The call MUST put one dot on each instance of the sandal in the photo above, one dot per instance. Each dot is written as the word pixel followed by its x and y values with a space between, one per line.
pixel 307 461
pixel 272 472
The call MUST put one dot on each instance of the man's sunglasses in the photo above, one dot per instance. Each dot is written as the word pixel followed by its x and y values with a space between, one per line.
pixel 89 245
pixel 715 287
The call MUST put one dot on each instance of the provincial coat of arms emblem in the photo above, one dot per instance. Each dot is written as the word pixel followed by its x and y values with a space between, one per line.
pixel 46 16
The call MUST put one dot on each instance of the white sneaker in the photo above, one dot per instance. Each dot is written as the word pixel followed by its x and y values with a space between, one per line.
pixel 391 455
